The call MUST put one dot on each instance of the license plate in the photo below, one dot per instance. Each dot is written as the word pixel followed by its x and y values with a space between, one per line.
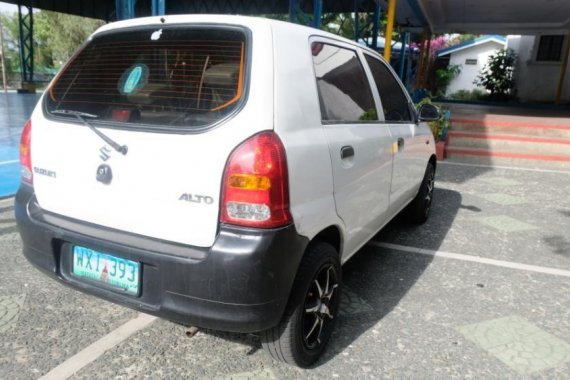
pixel 111 270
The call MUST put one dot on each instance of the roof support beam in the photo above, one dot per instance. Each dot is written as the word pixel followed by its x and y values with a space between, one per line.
pixel 3 58
pixel 372 23
pixel 421 60
pixel 375 26
pixel 293 6
pixel 26 24
pixel 297 15
pixel 158 7
pixel 317 13
pixel 389 29
pixel 405 42
pixel 563 69
pixel 125 9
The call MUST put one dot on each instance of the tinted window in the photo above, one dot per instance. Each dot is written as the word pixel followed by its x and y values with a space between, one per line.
pixel 159 76
pixel 550 48
pixel 344 91
pixel 394 102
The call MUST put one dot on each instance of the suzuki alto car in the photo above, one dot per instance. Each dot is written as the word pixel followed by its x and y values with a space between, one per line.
pixel 217 171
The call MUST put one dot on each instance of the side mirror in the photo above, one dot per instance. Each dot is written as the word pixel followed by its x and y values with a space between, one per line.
pixel 429 112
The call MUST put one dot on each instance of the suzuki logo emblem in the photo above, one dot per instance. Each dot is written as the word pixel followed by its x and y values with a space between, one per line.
pixel 105 153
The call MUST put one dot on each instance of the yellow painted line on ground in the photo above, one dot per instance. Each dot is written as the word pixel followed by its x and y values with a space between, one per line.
pixel 98 348
pixel 394 148
pixel 475 259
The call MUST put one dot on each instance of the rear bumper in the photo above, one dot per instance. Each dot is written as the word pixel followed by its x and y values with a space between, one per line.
pixel 240 284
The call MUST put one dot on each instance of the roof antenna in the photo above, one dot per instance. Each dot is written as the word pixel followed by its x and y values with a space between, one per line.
pixel 162 20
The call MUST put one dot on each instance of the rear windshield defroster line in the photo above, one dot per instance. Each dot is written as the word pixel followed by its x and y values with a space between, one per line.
pixel 163 76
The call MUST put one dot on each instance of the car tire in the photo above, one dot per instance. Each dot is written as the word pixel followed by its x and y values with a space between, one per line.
pixel 308 322
pixel 418 210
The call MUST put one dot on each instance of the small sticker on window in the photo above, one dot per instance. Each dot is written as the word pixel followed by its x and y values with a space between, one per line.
pixel 133 79
pixel 156 35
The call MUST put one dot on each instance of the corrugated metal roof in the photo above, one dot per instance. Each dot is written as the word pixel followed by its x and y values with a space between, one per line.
pixel 474 42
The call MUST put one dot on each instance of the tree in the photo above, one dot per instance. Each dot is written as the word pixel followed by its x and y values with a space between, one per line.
pixel 443 78
pixel 498 75
pixel 56 37
pixel 455 40
pixel 11 43
pixel 341 24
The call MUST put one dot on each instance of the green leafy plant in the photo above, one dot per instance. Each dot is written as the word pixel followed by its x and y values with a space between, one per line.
pixel 475 94
pixel 498 75
pixel 443 78
pixel 56 37
pixel 371 114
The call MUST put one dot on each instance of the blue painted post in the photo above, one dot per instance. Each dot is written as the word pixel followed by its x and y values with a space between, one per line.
pixel 403 55
pixel 317 13
pixel 158 7
pixel 375 24
pixel 293 6
pixel 125 9
pixel 409 63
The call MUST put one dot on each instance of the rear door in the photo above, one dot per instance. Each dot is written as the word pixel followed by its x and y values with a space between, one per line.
pixel 171 94
pixel 359 144
pixel 409 158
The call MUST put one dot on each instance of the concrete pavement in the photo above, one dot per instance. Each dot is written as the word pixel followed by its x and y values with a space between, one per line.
pixel 406 313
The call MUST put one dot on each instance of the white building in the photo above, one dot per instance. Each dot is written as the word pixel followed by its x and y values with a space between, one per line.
pixel 471 56
pixel 539 64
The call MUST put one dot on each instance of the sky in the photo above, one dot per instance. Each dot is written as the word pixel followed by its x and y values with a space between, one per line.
pixel 10 8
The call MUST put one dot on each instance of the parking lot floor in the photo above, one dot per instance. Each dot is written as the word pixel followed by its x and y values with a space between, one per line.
pixel 482 290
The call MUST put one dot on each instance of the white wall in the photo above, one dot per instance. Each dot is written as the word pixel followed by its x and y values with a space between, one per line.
pixel 464 81
pixel 537 81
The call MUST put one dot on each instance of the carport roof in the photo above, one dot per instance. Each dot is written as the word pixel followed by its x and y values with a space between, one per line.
pixel 105 9
pixel 496 17
pixel 441 16
pixel 101 9
pixel 408 12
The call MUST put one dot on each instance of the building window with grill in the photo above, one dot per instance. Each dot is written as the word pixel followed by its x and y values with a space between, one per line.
pixel 550 48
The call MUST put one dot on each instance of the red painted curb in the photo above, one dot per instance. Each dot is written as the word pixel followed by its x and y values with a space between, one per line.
pixel 488 136
pixel 513 124
pixel 523 156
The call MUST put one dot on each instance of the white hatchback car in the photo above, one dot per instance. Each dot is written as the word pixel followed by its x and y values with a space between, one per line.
pixel 218 170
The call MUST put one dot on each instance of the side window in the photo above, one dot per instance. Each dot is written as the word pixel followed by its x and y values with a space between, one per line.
pixel 394 102
pixel 550 48
pixel 344 91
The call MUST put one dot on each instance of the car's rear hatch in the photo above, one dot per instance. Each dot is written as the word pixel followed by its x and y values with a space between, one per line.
pixel 180 98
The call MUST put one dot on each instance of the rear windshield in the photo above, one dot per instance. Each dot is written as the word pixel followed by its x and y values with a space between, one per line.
pixel 164 76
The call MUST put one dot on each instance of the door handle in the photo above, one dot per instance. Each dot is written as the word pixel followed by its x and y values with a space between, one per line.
pixel 346 152
pixel 401 142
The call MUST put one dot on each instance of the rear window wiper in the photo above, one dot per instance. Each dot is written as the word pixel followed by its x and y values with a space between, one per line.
pixel 81 117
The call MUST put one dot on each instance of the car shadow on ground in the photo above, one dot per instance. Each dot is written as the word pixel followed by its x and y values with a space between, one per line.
pixel 375 279
pixel 456 173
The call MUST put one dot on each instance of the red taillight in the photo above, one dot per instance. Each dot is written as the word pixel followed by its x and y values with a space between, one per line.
pixel 255 189
pixel 26 154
